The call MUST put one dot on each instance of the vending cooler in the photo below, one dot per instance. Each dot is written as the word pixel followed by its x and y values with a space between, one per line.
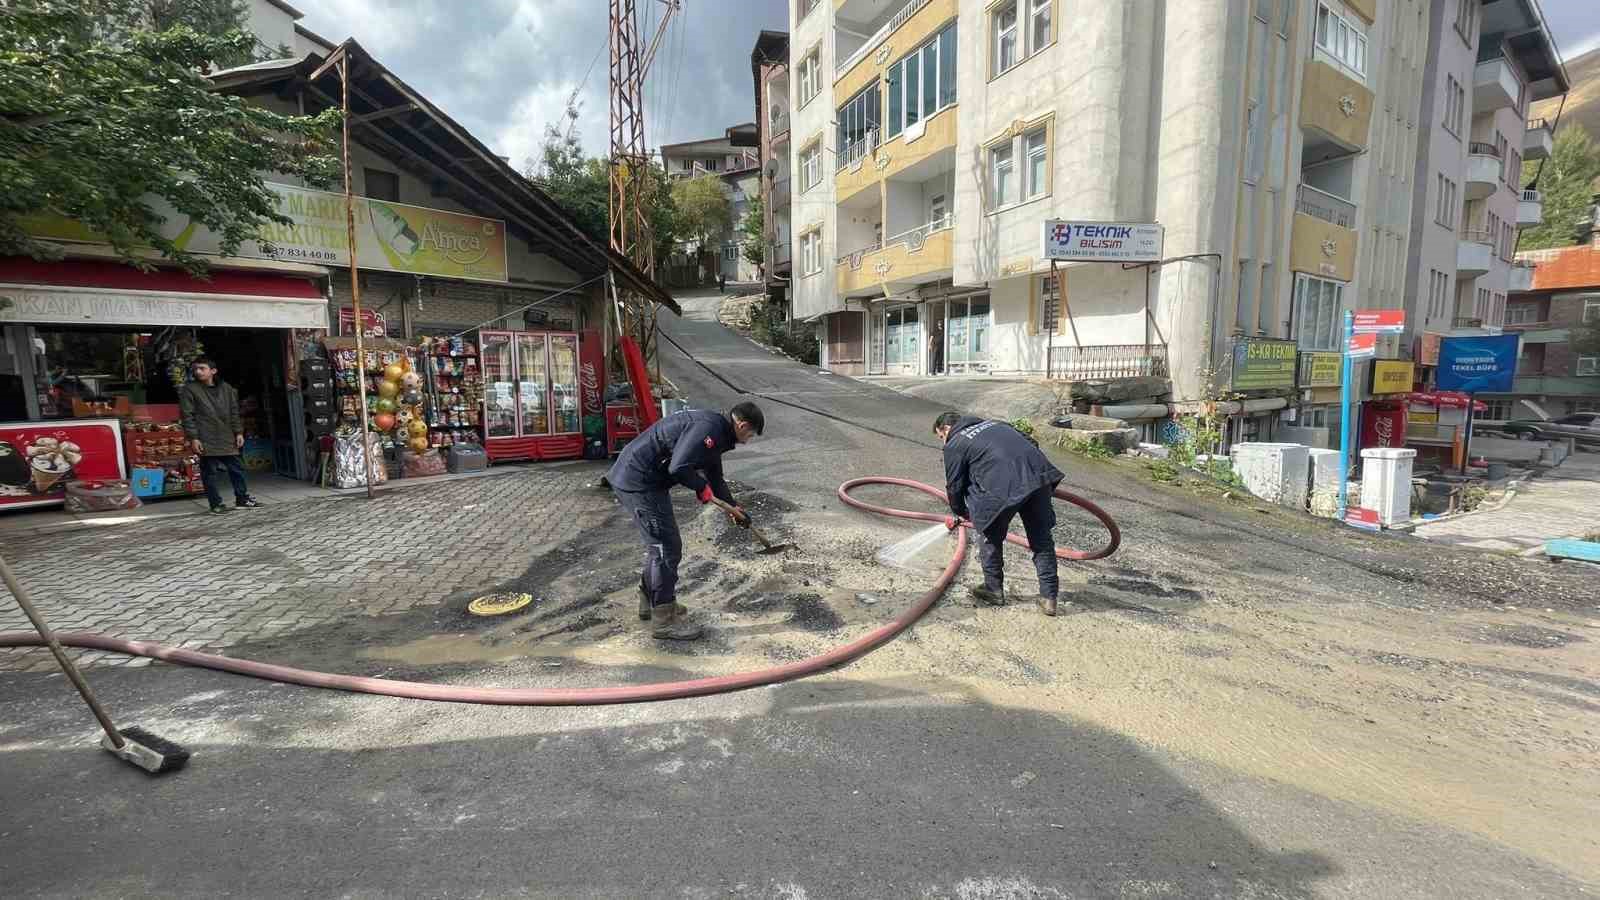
pixel 533 408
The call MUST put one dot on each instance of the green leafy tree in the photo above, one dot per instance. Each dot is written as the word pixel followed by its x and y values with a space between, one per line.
pixel 704 213
pixel 98 121
pixel 752 229
pixel 1566 181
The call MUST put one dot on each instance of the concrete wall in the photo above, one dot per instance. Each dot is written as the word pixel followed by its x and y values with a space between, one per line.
pixel 271 24
pixel 817 293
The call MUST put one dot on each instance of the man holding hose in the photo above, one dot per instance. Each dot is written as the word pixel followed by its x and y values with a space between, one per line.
pixel 992 474
pixel 684 448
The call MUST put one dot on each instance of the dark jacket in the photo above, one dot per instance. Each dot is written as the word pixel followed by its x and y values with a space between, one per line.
pixel 684 448
pixel 990 467
pixel 211 416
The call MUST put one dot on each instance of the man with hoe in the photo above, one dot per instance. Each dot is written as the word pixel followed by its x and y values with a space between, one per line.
pixel 993 474
pixel 684 448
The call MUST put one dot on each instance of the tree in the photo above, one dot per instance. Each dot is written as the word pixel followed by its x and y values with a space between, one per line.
pixel 753 228
pixel 101 118
pixel 1566 181
pixel 704 213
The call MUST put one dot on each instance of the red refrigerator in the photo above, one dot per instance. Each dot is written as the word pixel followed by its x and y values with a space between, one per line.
pixel 533 406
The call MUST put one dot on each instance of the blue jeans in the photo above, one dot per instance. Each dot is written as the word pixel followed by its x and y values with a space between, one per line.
pixel 211 469
pixel 651 511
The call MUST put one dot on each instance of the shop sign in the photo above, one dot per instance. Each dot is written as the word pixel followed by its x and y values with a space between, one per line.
pixel 1379 321
pixel 37 459
pixel 373 324
pixel 1392 376
pixel 1423 417
pixel 1478 364
pixel 1362 346
pixel 1363 518
pixel 393 237
pixel 591 373
pixel 1320 369
pixel 1428 348
pixel 1065 240
pixel 1264 365
pixel 106 306
pixel 1383 424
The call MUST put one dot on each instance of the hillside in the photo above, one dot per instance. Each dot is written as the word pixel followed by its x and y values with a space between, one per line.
pixel 1583 102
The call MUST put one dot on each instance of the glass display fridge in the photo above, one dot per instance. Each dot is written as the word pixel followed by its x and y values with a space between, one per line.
pixel 533 408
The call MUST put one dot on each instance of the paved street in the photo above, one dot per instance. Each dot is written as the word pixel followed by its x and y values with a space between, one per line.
pixel 1561 503
pixel 1240 702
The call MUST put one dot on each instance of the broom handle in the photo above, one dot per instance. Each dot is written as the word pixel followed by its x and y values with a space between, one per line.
pixel 61 655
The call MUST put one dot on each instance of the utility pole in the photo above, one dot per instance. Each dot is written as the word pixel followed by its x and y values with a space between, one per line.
pixel 630 180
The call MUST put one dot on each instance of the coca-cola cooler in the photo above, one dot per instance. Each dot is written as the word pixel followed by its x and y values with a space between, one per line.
pixel 622 426
pixel 536 393
pixel 1383 423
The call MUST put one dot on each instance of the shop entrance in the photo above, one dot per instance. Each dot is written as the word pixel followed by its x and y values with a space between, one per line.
pixel 898 335
pixel 966 331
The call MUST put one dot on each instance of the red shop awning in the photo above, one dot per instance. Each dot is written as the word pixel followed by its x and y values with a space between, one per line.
pixel 96 292
pixel 1449 399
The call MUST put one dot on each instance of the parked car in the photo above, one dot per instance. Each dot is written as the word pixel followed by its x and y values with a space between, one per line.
pixel 1583 426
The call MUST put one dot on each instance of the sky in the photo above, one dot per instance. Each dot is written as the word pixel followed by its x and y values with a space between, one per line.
pixel 505 68
pixel 1576 24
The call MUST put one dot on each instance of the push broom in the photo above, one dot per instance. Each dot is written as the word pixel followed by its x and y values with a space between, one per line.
pixel 134 745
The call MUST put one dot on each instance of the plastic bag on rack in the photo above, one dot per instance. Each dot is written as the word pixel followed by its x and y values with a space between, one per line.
pixel 349 463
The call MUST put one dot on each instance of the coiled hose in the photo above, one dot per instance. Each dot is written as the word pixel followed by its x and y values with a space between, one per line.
pixel 600 696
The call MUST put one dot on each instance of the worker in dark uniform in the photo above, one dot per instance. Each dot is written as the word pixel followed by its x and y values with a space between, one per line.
pixel 992 474
pixel 684 448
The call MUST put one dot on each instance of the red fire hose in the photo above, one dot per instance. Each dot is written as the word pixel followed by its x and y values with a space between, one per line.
pixel 671 690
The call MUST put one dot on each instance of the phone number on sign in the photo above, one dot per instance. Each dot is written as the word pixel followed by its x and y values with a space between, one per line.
pixel 302 253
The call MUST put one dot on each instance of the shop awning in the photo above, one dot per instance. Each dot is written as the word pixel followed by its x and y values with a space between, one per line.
pixel 1446 399
pixel 93 292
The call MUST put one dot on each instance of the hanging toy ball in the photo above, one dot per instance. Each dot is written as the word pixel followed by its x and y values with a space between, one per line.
pixel 384 405
pixel 417 428
pixel 411 398
pixel 388 388
pixel 418 444
pixel 411 381
pixel 384 421
pixel 393 372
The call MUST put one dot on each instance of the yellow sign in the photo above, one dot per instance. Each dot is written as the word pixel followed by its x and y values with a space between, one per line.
pixel 1320 370
pixel 392 237
pixel 1419 417
pixel 1392 376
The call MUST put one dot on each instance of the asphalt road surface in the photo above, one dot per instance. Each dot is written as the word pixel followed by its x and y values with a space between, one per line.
pixel 1191 732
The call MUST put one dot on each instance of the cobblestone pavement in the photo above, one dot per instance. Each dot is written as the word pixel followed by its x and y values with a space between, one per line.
pixel 1564 502
pixel 207 583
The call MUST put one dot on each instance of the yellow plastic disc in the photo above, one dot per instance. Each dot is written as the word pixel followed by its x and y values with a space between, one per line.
pixel 498 604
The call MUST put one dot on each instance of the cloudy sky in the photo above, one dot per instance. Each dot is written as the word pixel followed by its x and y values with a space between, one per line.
pixel 504 68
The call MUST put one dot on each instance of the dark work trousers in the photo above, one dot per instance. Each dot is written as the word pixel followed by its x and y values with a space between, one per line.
pixel 663 547
pixel 1038 517
pixel 211 471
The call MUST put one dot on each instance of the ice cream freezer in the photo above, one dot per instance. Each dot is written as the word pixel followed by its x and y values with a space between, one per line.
pixel 533 402
pixel 39 459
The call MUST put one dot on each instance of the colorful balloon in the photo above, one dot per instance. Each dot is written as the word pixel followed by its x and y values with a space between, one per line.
pixel 384 421
pixel 393 372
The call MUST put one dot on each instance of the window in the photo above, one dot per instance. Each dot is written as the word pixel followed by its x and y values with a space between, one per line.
pixel 1591 311
pixel 1588 365
pixel 1049 304
pixel 1498 411
pixel 730 253
pixel 1036 179
pixel 1438 293
pixel 1445 213
pixel 1254 141
pixel 1480 303
pixel 811 253
pixel 806 6
pixel 1015 41
pixel 810 167
pixel 858 125
pixel 1341 40
pixel 810 77
pixel 1508 241
pixel 1316 312
pixel 382 185
pixel 1505 158
pixel 1522 314
pixel 938 212
pixel 1455 102
pixel 922 82
pixel 1002 176
pixel 1514 171
pixel 1467 20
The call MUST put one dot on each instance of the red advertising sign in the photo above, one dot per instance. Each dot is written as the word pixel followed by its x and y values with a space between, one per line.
pixel 372 323
pixel 1380 321
pixel 1362 345
pixel 622 425
pixel 1363 518
pixel 1383 424
pixel 37 459
pixel 591 373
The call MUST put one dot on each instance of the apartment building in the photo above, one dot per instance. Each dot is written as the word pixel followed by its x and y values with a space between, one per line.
pixel 1558 365
pixel 735 160
pixel 1273 140
pixel 1489 61
pixel 769 67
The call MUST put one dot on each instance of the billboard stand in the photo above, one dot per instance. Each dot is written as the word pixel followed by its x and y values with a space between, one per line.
pixel 1344 415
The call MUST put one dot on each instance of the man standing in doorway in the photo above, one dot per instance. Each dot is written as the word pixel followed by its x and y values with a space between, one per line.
pixel 214 429
pixel 992 474
pixel 684 448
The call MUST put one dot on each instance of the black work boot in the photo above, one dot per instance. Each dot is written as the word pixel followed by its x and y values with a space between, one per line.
pixel 645 607
pixel 1047 605
pixel 989 596
pixel 668 624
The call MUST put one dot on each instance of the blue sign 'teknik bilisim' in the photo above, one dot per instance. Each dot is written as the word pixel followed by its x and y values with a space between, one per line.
pixel 1479 364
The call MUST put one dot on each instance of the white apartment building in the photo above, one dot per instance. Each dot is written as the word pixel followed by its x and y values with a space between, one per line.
pixel 1488 62
pixel 1272 139
pixel 734 159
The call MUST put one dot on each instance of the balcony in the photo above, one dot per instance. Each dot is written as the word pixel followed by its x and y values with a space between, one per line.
pixel 1530 209
pixel 778 128
pixel 1323 241
pixel 849 64
pixel 1538 141
pixel 1108 361
pixel 780 256
pixel 781 194
pixel 1521 276
pixel 1483 171
pixel 1461 322
pixel 862 167
pixel 1494 86
pixel 1474 254
pixel 903 261
pixel 1335 114
pixel 1322 205
pixel 853 154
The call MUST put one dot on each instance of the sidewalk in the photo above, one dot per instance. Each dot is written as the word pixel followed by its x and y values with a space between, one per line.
pixel 1562 503
pixel 995 398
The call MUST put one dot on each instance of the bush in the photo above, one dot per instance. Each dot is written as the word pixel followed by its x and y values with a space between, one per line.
pixel 768 327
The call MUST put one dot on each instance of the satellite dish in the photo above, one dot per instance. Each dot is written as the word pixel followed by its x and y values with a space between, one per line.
pixel 771 168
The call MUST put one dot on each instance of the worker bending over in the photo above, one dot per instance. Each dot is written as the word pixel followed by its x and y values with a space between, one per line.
pixel 992 474
pixel 684 448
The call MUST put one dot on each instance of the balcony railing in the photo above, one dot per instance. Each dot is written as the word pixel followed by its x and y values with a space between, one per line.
pixel 889 27
pixel 1108 361
pixel 1478 148
pixel 854 257
pixel 858 150
pixel 1536 124
pixel 777 125
pixel 1322 205
pixel 1459 322
pixel 1478 237
pixel 914 238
